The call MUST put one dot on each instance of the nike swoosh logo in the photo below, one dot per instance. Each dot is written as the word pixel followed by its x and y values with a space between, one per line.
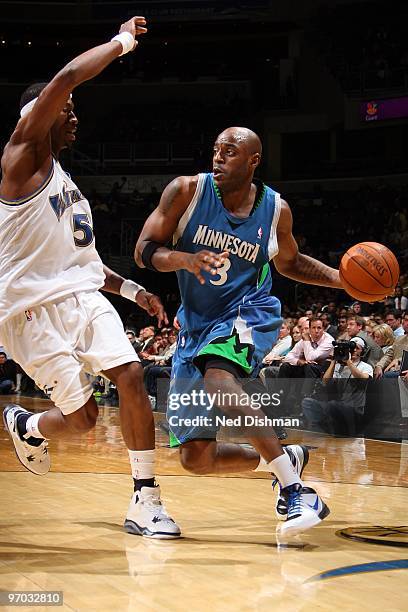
pixel 315 505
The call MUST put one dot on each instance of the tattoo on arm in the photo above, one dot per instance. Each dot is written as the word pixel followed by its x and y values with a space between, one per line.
pixel 313 271
pixel 172 191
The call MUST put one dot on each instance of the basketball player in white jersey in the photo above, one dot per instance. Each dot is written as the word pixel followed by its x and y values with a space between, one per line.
pixel 53 318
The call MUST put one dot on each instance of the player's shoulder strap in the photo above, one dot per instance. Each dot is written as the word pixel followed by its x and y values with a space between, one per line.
pixel 188 213
pixel 273 247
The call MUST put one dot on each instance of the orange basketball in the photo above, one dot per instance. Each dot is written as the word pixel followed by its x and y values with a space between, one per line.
pixel 369 271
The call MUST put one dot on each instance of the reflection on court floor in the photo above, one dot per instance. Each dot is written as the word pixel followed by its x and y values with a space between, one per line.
pixel 64 531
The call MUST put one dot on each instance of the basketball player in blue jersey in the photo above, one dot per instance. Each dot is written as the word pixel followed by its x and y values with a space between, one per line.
pixel 53 318
pixel 226 227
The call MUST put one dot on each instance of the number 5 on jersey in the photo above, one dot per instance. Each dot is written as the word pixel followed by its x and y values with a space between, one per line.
pixel 83 231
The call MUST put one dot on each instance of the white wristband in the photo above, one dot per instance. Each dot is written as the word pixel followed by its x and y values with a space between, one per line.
pixel 127 41
pixel 129 290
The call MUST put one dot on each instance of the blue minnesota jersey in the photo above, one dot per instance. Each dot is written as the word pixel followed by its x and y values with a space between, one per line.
pixel 233 316
pixel 245 278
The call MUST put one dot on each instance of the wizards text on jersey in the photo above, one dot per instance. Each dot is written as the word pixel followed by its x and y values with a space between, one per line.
pixel 61 201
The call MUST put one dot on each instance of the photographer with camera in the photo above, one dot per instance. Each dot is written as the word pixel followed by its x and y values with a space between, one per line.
pixel 356 328
pixel 344 383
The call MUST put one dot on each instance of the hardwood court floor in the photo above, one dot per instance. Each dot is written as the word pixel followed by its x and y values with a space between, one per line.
pixel 64 531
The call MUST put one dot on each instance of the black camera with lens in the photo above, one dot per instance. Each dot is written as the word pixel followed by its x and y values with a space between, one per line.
pixel 343 350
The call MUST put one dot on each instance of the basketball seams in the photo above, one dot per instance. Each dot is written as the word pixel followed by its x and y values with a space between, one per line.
pixel 352 257
pixel 374 295
pixel 368 244
pixel 366 264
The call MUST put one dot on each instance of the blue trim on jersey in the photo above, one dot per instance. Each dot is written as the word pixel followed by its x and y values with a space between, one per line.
pixel 27 198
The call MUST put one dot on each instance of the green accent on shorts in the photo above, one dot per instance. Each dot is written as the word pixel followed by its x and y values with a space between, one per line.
pixel 229 349
pixel 174 442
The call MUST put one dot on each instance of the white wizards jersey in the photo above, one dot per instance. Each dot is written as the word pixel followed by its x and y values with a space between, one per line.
pixel 47 246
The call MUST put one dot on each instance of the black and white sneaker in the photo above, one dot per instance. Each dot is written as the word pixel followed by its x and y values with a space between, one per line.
pixel 299 456
pixel 147 516
pixel 34 458
pixel 305 510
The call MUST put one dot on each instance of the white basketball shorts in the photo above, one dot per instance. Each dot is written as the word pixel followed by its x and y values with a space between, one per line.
pixel 58 342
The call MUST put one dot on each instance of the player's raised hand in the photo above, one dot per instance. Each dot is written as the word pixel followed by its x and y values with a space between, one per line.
pixel 135 26
pixel 153 305
pixel 205 261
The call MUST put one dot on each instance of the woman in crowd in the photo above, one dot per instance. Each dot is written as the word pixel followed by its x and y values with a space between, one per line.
pixel 384 337
pixel 296 334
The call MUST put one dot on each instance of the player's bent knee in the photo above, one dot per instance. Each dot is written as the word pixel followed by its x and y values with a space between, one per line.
pixel 131 378
pixel 84 419
pixel 216 381
pixel 223 385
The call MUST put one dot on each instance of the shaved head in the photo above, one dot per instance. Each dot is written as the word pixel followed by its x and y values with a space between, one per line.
pixel 236 156
pixel 242 135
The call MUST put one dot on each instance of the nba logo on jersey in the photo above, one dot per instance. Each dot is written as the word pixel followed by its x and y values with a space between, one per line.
pixel 260 233
pixel 29 315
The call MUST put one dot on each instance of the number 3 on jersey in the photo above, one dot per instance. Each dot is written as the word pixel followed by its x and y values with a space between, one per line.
pixel 83 231
pixel 222 272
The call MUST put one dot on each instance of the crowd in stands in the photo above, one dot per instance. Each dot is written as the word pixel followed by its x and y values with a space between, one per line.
pixel 335 344
pixel 155 349
pixel 380 331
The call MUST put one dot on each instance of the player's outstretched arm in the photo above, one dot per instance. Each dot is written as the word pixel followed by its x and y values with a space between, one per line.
pixel 159 228
pixel 53 98
pixel 114 283
pixel 289 262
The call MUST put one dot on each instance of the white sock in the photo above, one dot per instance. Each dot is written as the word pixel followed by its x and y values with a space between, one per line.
pixel 32 426
pixel 282 468
pixel 142 464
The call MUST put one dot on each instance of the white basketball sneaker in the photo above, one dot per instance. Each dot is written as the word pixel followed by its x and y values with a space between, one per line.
pixel 35 458
pixel 299 456
pixel 147 516
pixel 305 510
